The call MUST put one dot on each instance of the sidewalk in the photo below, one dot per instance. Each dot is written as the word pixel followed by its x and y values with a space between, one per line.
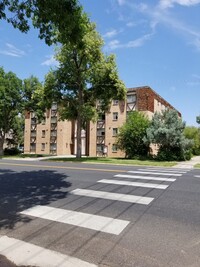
pixel 188 164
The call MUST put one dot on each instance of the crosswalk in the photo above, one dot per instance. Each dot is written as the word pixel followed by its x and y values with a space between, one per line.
pixel 151 178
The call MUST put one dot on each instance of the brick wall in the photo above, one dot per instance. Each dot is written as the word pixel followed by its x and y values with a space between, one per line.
pixel 146 100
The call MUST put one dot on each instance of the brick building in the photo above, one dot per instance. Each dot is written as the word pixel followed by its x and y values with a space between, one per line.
pixel 59 137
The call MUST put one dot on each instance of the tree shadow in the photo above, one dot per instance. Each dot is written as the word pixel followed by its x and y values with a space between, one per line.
pixel 23 190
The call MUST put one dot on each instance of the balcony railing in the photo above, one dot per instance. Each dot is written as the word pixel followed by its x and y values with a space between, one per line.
pixel 53 119
pixel 100 124
pixel 33 121
pixel 53 126
pixel 33 134
pixel 100 139
pixel 53 133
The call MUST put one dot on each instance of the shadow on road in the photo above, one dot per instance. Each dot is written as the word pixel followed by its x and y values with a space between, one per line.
pixel 22 190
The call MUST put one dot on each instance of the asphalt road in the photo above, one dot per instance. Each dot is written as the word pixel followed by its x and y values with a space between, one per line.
pixel 162 232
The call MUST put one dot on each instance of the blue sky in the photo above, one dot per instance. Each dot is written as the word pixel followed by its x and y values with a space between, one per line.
pixel 156 43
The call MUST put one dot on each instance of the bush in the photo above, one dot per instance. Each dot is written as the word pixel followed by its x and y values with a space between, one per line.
pixel 173 154
pixel 11 151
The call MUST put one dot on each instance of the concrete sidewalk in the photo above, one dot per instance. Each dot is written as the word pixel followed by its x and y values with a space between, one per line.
pixel 188 164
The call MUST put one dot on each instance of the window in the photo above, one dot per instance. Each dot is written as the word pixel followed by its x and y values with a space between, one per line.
pixel 43 146
pixel 43 133
pixel 115 131
pixel 131 98
pixel 115 116
pixel 114 148
pixel 115 102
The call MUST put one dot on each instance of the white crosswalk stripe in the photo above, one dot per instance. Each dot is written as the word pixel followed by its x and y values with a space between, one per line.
pixel 161 170
pixel 157 173
pixel 147 185
pixel 24 253
pixel 145 177
pixel 113 196
pixel 85 220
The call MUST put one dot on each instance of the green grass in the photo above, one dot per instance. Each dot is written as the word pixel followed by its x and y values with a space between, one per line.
pixel 117 161
pixel 197 165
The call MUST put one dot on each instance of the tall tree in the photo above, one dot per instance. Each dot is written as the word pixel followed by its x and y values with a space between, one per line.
pixel 15 98
pixel 166 131
pixel 56 20
pixel 10 103
pixel 131 134
pixel 193 133
pixel 84 76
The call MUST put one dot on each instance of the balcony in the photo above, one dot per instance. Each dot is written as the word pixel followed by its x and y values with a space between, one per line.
pixel 54 106
pixel 53 133
pixel 100 139
pixel 53 119
pixel 33 134
pixel 33 127
pixel 100 124
pixel 53 126
pixel 53 139
pixel 33 121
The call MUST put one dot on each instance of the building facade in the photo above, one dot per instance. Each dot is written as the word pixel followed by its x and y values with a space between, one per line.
pixel 98 139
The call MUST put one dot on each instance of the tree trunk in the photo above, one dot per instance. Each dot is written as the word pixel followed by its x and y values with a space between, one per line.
pixel 79 122
pixel 1 146
pixel 78 137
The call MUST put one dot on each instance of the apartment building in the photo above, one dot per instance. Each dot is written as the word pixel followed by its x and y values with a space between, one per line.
pixel 99 139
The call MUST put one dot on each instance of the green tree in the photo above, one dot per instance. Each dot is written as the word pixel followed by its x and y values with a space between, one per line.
pixel 10 100
pixel 16 136
pixel 131 134
pixel 33 97
pixel 15 98
pixel 84 76
pixel 49 16
pixel 166 131
pixel 193 133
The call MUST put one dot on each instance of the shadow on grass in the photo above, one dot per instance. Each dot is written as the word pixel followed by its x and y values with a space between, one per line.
pixel 23 190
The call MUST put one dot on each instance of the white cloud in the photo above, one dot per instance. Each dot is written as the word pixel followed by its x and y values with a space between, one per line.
pixel 140 41
pixel 170 3
pixel 121 2
pixel 51 61
pixel 158 16
pixel 12 51
pixel 115 44
pixel 112 33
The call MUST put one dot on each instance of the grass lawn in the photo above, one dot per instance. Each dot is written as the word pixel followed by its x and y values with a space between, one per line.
pixel 117 161
pixel 197 165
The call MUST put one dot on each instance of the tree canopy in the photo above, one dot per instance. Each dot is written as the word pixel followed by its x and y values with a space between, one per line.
pixel 193 133
pixel 56 20
pixel 131 134
pixel 15 97
pixel 166 131
pixel 84 75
